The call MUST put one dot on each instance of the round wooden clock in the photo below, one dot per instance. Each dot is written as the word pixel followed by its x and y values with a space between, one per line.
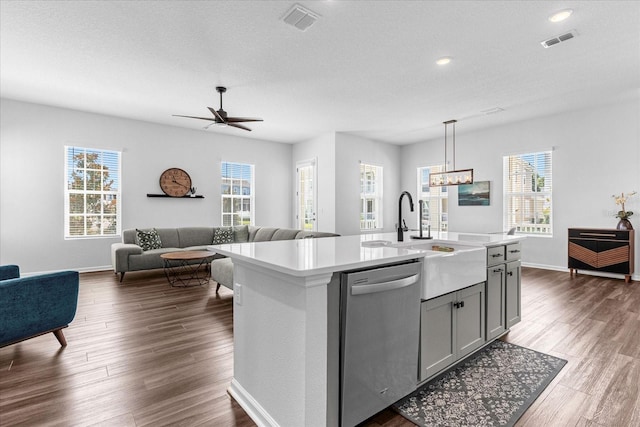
pixel 175 182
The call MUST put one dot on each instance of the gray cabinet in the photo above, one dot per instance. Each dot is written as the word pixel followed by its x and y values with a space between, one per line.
pixel 513 286
pixel 503 288
pixel 452 326
pixel 496 301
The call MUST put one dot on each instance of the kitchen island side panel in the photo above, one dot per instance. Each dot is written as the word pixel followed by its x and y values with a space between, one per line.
pixel 280 338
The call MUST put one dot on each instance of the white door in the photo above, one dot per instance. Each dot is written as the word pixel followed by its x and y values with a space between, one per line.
pixel 306 195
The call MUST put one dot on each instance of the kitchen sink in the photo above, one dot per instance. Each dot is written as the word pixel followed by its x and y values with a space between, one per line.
pixel 449 267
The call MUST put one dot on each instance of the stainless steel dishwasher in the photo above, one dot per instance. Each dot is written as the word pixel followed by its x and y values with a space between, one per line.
pixel 380 333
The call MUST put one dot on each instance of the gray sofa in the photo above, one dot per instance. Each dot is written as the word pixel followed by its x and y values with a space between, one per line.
pixel 129 256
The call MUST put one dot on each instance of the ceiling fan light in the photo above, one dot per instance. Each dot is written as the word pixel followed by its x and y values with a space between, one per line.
pixel 444 60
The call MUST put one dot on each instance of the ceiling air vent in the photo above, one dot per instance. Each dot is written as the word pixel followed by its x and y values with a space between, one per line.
pixel 557 39
pixel 300 17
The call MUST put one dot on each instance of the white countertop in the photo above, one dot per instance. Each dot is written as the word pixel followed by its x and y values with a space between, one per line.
pixel 307 257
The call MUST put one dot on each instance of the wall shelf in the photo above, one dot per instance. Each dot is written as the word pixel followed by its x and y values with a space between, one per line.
pixel 198 196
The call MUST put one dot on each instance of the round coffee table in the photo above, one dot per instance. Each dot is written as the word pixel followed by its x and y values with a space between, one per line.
pixel 185 268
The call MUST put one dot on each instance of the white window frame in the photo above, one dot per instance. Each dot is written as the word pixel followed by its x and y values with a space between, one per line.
pixel 528 207
pixel 101 217
pixel 371 194
pixel 432 196
pixel 243 214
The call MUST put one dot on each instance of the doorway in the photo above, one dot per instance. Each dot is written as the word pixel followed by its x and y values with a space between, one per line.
pixel 306 195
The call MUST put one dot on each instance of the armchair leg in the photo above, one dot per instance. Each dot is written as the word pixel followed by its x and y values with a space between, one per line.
pixel 121 276
pixel 217 287
pixel 60 336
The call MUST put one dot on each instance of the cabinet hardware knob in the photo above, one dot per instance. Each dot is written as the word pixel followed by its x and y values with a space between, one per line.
pixel 496 255
pixel 497 270
pixel 510 273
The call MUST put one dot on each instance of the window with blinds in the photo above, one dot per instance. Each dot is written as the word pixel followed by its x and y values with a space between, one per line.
pixel 92 193
pixel 371 181
pixel 528 193
pixel 436 201
pixel 237 194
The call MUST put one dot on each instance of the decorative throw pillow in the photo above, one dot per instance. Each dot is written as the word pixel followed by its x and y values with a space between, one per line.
pixel 222 235
pixel 148 239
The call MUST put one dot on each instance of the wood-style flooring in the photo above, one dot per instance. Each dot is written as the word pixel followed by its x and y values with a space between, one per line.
pixel 142 353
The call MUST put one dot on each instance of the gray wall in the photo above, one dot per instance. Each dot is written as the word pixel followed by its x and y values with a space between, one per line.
pixel 596 154
pixel 323 150
pixel 32 144
pixel 350 151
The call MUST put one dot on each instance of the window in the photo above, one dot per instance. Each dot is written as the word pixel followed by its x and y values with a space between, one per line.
pixel 237 194
pixel 527 193
pixel 92 193
pixel 435 201
pixel 370 197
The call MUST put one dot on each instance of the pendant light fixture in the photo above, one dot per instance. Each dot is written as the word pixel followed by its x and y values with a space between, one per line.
pixel 452 177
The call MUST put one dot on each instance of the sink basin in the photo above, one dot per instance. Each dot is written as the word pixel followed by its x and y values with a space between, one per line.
pixel 454 267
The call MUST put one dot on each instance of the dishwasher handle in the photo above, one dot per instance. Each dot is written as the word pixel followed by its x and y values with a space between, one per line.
pixel 384 286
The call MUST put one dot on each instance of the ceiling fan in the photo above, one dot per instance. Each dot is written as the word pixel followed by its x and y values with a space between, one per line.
pixel 220 117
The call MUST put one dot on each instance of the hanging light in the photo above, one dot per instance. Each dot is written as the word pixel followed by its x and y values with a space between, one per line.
pixel 453 177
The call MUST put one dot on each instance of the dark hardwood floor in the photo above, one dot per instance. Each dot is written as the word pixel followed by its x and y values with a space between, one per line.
pixel 143 353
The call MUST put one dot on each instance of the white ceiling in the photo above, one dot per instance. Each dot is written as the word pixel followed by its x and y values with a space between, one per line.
pixel 365 67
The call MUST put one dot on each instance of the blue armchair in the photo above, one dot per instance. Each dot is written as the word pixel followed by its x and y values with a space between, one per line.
pixel 36 305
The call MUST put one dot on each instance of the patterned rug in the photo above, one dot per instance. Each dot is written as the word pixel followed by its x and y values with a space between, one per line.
pixel 492 388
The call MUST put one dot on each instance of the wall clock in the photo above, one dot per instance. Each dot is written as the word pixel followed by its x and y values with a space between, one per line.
pixel 175 182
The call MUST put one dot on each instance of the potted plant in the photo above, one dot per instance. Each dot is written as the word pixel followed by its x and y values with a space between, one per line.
pixel 623 214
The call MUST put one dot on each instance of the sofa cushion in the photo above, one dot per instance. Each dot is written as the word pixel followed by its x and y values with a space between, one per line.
pixel 285 234
pixel 222 235
pixel 264 234
pixel 195 236
pixel 149 259
pixel 148 239
pixel 169 236
pixel 241 234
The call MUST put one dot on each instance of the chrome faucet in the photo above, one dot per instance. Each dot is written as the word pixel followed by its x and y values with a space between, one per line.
pixel 402 226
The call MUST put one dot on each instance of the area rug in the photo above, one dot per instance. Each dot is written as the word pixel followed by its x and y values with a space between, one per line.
pixel 492 388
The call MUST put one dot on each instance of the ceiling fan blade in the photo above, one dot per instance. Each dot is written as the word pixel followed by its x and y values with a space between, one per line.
pixel 194 117
pixel 218 116
pixel 236 125
pixel 242 119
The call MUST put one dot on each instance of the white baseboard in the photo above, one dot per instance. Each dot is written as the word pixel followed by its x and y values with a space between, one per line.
pixel 79 270
pixel 634 277
pixel 250 405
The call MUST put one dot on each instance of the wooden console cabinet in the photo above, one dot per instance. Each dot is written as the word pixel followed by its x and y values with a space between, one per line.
pixel 601 249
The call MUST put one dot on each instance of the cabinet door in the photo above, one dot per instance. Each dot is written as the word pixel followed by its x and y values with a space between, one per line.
pixel 613 257
pixel 470 320
pixel 496 299
pixel 513 293
pixel 437 349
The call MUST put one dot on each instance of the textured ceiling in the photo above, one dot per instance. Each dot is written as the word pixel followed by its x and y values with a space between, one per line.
pixel 365 67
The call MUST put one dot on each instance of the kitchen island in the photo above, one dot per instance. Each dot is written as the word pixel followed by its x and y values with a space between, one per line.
pixel 286 318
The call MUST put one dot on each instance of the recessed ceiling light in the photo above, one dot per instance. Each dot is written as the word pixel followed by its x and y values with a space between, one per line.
pixel 561 16
pixel 444 60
